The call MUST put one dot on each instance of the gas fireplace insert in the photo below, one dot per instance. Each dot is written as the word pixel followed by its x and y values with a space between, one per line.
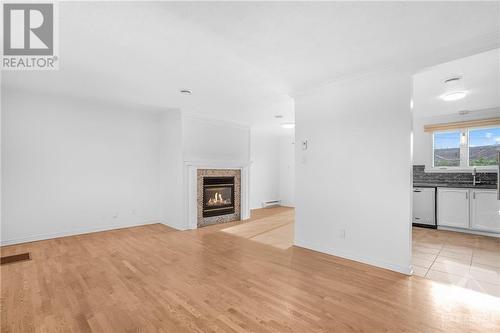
pixel 218 196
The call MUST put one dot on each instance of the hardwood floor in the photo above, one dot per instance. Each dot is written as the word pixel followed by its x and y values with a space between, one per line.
pixel 276 231
pixel 156 279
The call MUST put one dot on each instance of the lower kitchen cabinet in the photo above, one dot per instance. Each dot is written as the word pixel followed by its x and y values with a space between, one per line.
pixel 453 207
pixel 485 210
pixel 473 209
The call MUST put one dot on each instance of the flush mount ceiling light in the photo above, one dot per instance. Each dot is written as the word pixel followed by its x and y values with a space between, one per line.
pixel 454 89
pixel 453 96
pixel 185 91
pixel 288 125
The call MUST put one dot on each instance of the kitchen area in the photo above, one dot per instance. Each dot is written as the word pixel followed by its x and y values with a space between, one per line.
pixel 467 202
pixel 456 154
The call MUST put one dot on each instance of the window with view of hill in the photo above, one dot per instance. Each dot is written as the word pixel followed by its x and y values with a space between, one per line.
pixel 484 145
pixel 447 149
pixel 466 148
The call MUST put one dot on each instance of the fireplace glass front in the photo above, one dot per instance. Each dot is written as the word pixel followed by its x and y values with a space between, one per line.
pixel 218 196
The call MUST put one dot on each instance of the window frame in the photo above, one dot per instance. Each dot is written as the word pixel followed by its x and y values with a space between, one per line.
pixel 460 131
pixel 464 152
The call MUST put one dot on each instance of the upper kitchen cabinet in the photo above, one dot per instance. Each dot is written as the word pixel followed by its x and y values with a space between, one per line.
pixel 485 211
pixel 453 207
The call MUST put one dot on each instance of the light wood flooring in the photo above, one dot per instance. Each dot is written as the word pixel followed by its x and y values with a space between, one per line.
pixel 236 277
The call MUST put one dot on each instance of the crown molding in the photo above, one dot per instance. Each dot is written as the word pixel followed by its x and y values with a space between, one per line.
pixel 415 64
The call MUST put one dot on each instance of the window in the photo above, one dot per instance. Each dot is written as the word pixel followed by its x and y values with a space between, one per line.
pixel 484 145
pixel 466 148
pixel 447 149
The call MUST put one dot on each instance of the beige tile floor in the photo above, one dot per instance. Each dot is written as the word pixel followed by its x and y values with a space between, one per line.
pixel 465 260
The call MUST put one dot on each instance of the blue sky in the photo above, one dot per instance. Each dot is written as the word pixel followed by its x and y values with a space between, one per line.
pixel 484 137
pixel 481 137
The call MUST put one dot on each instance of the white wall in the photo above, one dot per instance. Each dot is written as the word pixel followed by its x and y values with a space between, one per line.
pixel 265 168
pixel 70 166
pixel 355 175
pixel 422 141
pixel 287 170
pixel 215 140
pixel 272 175
pixel 172 174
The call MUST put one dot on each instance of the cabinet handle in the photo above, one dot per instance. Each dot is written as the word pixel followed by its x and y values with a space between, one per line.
pixel 474 195
pixel 467 195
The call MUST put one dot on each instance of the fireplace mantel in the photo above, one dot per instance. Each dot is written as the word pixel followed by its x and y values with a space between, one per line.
pixel 190 173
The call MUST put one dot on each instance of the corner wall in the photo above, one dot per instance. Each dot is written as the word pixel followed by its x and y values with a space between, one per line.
pixel 287 170
pixel 353 182
pixel 265 169
pixel 171 172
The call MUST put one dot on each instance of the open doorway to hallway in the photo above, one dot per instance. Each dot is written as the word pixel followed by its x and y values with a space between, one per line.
pixel 272 183
pixel 456 147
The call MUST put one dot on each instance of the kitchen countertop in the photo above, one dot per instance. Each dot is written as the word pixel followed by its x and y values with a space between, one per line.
pixel 456 185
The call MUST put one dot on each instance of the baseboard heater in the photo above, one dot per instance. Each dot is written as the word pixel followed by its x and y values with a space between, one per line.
pixel 272 203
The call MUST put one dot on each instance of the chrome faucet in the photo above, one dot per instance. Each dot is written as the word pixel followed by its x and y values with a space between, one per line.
pixel 474 177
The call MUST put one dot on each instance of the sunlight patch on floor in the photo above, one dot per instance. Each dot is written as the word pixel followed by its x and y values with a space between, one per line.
pixel 276 230
pixel 453 296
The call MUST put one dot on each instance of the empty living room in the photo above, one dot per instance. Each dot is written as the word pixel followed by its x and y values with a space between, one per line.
pixel 250 166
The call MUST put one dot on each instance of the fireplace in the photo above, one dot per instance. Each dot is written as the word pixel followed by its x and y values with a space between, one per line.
pixel 218 196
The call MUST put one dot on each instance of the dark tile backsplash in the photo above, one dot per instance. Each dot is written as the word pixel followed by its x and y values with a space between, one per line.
pixel 420 176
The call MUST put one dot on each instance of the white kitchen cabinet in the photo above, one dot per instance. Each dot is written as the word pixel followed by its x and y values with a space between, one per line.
pixel 485 210
pixel 453 207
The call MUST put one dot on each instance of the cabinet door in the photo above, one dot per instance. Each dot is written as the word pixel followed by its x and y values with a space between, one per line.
pixel 485 214
pixel 453 207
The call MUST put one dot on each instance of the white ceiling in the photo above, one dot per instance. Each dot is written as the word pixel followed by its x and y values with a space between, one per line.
pixel 480 78
pixel 243 60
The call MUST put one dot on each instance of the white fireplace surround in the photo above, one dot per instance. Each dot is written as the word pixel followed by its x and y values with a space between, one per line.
pixel 191 190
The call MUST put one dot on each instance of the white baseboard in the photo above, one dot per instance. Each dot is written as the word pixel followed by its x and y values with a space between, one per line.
pixel 176 227
pixel 468 231
pixel 289 205
pixel 406 270
pixel 80 231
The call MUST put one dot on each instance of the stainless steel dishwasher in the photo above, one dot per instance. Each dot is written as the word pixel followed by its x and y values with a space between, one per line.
pixel 424 207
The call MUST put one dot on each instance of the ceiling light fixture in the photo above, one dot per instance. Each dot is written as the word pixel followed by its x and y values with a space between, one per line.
pixel 185 91
pixel 288 125
pixel 454 89
pixel 454 96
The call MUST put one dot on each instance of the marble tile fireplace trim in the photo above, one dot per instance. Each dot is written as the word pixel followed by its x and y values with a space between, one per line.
pixel 194 180
pixel 201 173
